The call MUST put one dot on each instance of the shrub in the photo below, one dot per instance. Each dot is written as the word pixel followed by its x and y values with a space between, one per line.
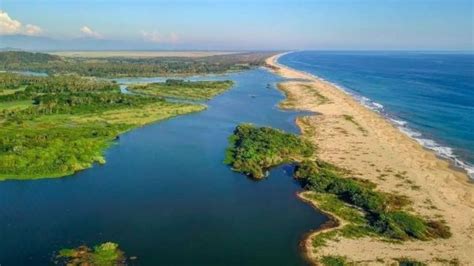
pixel 252 150
pixel 322 177
pixel 333 261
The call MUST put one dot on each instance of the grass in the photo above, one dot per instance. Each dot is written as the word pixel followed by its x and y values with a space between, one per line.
pixel 350 119
pixel 17 105
pixel 383 212
pixel 11 91
pixel 252 150
pixel 143 115
pixel 59 145
pixel 333 261
pixel 331 203
pixel 191 90
pixel 321 99
pixel 291 99
pixel 357 224
pixel 63 124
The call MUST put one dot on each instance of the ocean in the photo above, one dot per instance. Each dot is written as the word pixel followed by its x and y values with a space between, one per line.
pixel 428 96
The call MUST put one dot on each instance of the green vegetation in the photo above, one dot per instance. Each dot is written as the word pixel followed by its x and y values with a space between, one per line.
pixel 55 126
pixel 106 254
pixel 253 150
pixel 350 118
pixel 364 210
pixel 290 98
pixel 180 89
pixel 358 225
pixel 120 66
pixel 333 261
pixel 383 216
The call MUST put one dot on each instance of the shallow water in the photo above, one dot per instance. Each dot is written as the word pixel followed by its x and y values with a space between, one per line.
pixel 429 96
pixel 166 197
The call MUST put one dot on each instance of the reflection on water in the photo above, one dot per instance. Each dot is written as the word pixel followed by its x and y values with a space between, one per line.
pixel 166 197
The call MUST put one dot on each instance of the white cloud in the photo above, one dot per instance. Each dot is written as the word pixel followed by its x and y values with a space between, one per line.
pixel 158 38
pixel 174 38
pixel 32 29
pixel 151 36
pixel 12 26
pixel 90 33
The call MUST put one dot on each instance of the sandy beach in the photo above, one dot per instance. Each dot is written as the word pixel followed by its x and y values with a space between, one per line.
pixel 351 136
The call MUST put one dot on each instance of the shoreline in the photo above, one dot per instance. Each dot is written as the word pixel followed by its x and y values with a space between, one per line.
pixel 333 223
pixel 442 152
pixel 363 141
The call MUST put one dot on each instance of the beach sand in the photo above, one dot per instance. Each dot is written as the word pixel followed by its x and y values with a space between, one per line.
pixel 351 136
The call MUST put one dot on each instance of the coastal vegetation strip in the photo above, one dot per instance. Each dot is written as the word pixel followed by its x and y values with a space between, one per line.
pixel 138 54
pixel 130 66
pixel 181 89
pixel 57 125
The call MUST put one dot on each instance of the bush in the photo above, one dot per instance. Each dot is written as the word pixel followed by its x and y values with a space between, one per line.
pixel 438 229
pixel 252 150
pixel 333 261
pixel 325 178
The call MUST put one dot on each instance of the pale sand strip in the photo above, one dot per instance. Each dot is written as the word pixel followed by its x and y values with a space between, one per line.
pixel 370 147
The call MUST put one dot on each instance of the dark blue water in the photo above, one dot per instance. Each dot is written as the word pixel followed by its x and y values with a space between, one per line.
pixel 428 96
pixel 165 196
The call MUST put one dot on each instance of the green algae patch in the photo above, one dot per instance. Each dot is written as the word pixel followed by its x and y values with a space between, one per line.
pixel 105 254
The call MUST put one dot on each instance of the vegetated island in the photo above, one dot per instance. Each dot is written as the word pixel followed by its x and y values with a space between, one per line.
pixel 392 201
pixel 105 254
pixel 182 89
pixel 56 125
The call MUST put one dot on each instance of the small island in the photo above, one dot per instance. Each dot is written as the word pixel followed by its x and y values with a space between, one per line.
pixel 182 89
pixel 252 150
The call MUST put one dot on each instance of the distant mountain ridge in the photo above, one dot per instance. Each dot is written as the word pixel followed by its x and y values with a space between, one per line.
pixel 39 43
pixel 21 57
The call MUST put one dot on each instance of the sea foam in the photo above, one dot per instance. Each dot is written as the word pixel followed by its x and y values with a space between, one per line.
pixel 442 151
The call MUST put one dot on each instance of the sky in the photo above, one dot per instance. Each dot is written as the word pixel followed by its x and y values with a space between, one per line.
pixel 257 24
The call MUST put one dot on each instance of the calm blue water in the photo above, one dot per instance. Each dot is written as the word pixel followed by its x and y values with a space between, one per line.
pixel 429 96
pixel 166 197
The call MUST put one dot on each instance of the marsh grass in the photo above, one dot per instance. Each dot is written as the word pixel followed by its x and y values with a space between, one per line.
pixel 333 261
pixel 180 89
pixel 350 119
pixel 59 125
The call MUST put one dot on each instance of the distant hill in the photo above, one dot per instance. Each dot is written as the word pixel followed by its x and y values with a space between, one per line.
pixel 19 57
pixel 38 43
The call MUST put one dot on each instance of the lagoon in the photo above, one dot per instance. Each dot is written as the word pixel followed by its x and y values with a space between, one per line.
pixel 165 196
